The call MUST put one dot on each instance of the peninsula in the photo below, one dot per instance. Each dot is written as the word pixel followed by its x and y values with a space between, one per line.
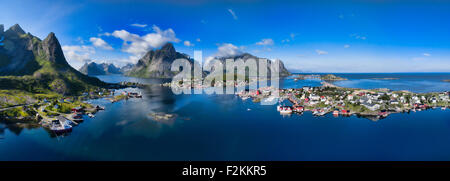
pixel 373 104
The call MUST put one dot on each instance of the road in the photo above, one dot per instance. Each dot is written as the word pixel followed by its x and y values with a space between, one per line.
pixel 16 106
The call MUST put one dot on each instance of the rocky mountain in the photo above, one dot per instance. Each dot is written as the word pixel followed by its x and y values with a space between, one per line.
pixel 31 64
pixel 157 63
pixel 245 56
pixel 99 69
pixel 126 68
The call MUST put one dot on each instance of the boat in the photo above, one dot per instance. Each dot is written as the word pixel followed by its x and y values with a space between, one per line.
pixel 60 125
pixel 443 108
pixel 321 113
pixel 315 112
pixel 286 110
pixel 134 95
pixel 99 107
pixel 139 95
pixel 77 117
pixel 279 108
pixel 298 109
pixel 91 115
pixel 336 113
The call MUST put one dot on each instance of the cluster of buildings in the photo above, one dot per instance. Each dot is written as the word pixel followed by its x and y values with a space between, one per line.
pixel 348 101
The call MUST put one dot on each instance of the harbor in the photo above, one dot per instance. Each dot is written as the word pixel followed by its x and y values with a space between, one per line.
pixel 373 104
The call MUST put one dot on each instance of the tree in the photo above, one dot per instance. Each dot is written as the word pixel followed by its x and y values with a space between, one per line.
pixel 385 97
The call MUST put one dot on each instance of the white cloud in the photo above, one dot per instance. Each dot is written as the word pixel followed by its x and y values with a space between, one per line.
pixel 78 55
pixel 347 46
pixel 422 58
pixel 227 49
pixel 139 45
pixel 188 43
pixel 359 37
pixel 291 38
pixel 321 52
pixel 198 40
pixel 266 41
pixel 233 14
pixel 100 43
pixel 139 25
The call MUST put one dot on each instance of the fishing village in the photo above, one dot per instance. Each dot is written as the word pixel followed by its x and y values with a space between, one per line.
pixel 373 104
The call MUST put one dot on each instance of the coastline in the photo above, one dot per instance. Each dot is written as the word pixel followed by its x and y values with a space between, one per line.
pixel 44 108
pixel 373 104
pixel 287 94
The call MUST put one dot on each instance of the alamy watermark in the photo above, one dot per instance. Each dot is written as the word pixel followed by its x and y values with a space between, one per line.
pixel 227 76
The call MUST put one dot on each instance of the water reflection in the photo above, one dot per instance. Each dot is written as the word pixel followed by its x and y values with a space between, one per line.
pixel 16 127
pixel 224 127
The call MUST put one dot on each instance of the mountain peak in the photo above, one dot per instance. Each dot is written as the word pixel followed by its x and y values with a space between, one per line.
pixel 17 29
pixel 168 47
pixel 53 49
pixel 51 37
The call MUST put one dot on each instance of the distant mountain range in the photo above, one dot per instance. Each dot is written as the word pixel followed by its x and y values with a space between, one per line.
pixel 245 56
pixel 34 65
pixel 157 63
pixel 93 68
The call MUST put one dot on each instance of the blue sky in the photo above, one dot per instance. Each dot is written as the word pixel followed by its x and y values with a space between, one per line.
pixel 320 36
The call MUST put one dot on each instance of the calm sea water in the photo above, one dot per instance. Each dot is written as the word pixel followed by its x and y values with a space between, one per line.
pixel 415 82
pixel 224 127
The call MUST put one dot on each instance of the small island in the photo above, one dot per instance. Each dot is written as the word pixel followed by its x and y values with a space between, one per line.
pixel 324 77
pixel 448 80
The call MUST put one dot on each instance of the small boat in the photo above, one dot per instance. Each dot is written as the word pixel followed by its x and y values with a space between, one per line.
pixel 60 125
pixel 320 113
pixel 91 115
pixel 248 109
pixel 139 95
pixel 443 108
pixel 77 117
pixel 336 112
pixel 99 108
pixel 298 109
